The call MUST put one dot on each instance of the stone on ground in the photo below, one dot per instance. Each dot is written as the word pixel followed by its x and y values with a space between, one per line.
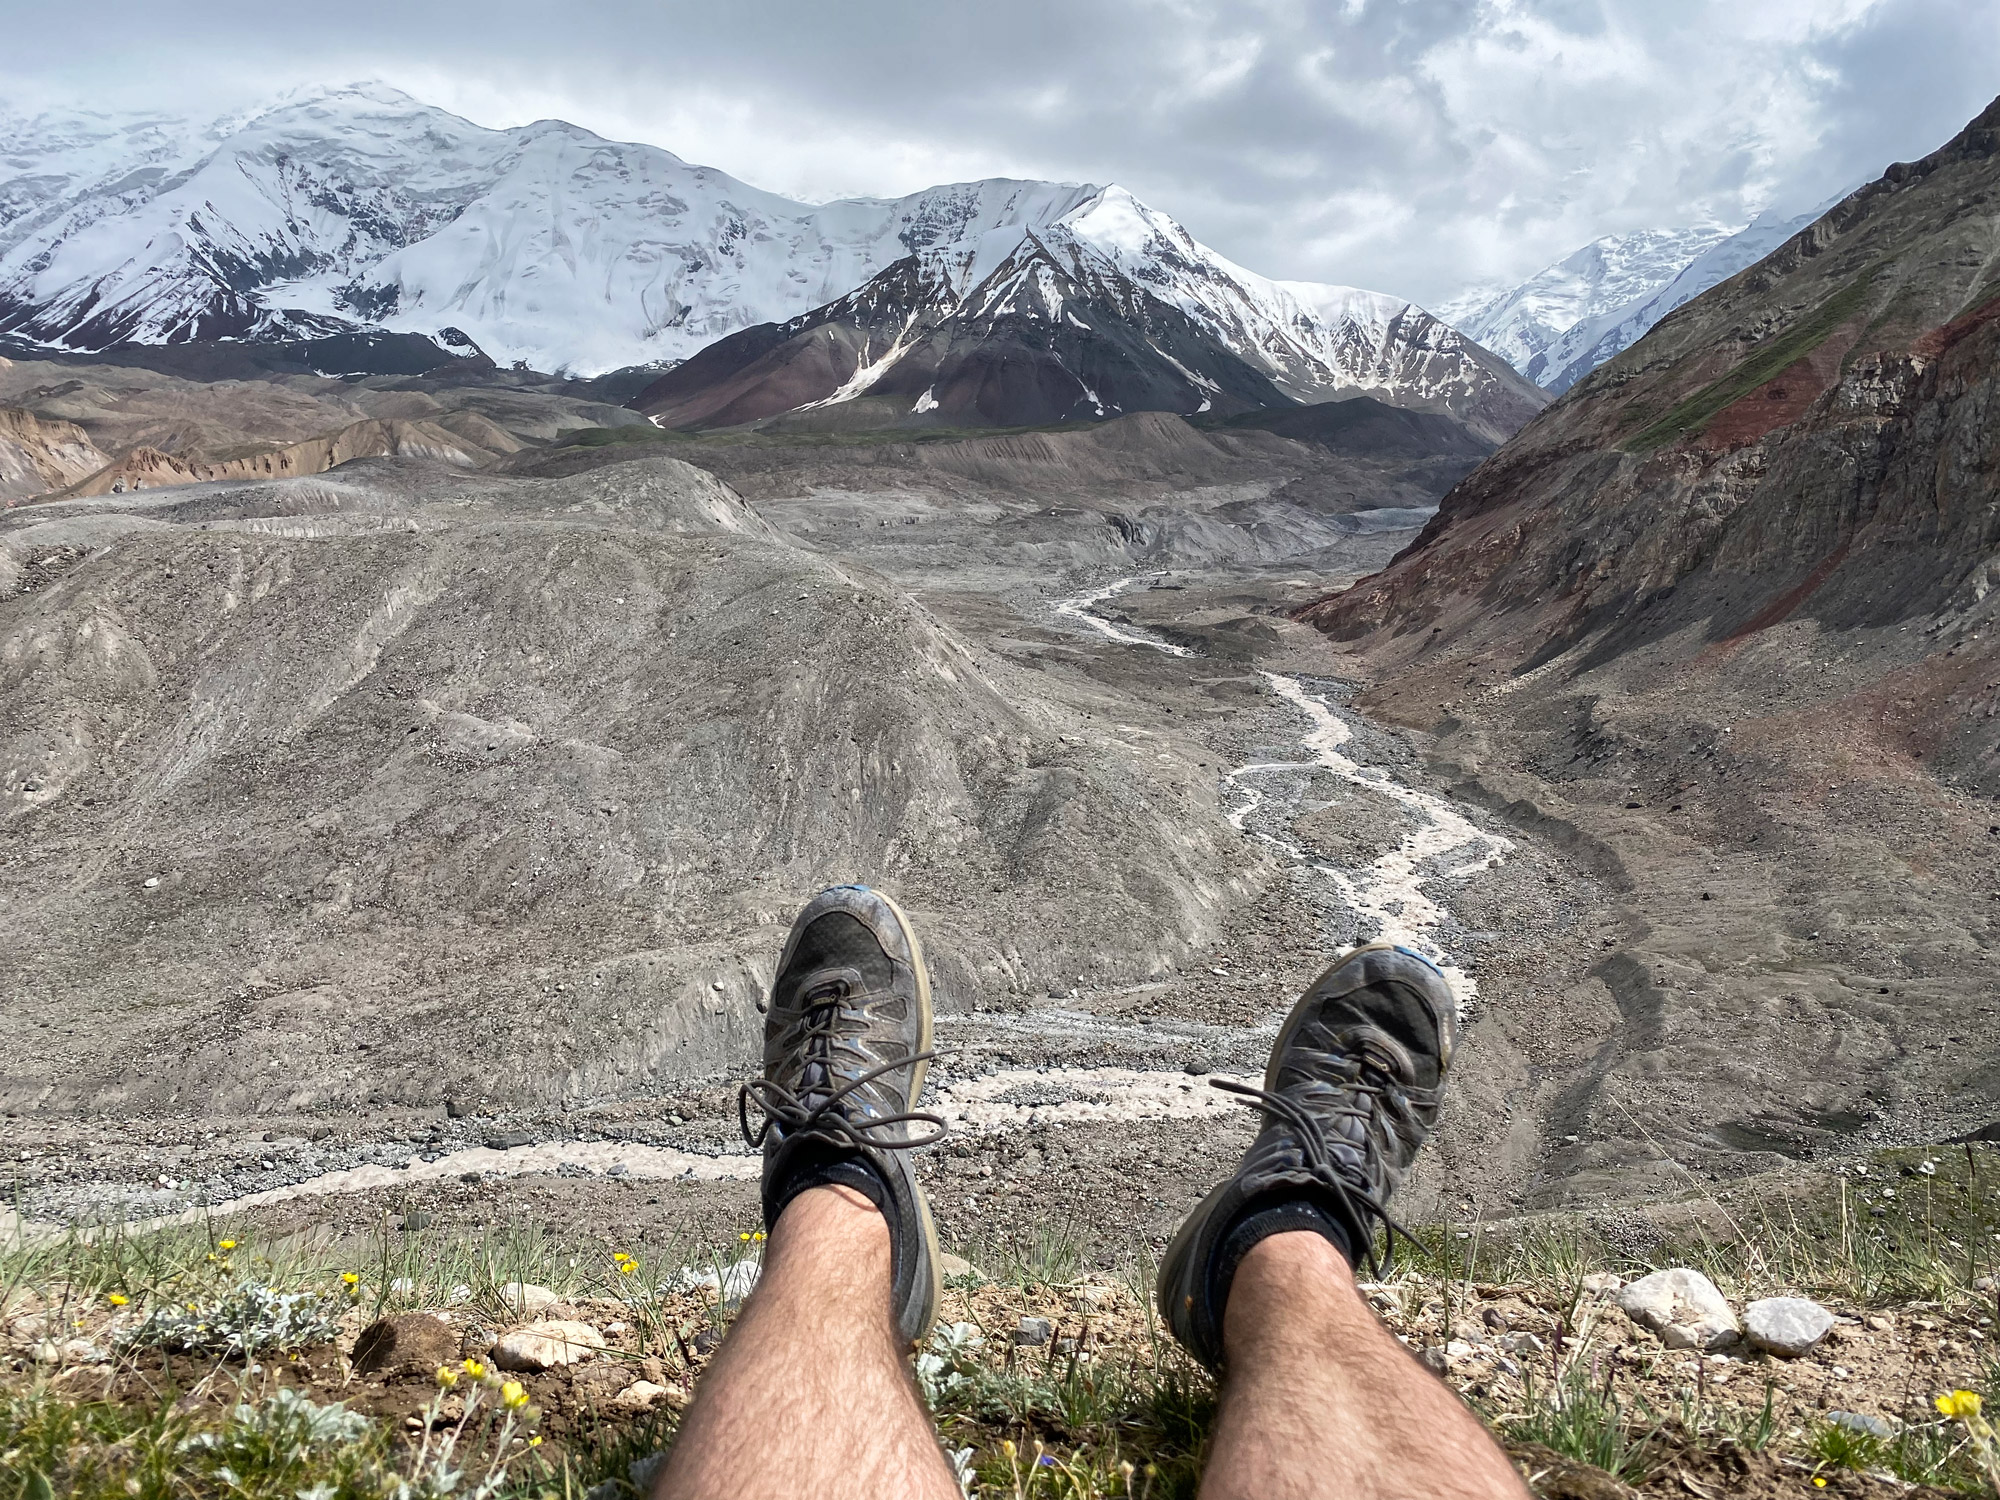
pixel 1855 1421
pixel 544 1345
pixel 1786 1326
pixel 1034 1332
pixel 1683 1307
pixel 408 1341
pixel 526 1298
pixel 732 1283
pixel 640 1395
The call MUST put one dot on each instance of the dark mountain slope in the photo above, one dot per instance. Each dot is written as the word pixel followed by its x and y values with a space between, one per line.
pixel 1811 441
pixel 1038 341
pixel 1723 621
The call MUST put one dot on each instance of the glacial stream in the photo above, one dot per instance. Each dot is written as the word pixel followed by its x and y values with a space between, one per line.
pixel 1395 896
pixel 1389 893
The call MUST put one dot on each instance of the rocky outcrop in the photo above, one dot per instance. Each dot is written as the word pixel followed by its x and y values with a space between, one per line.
pixel 1724 620
pixel 37 456
pixel 150 469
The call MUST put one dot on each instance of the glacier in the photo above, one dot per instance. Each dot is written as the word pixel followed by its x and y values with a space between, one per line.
pixel 360 207
pixel 1595 303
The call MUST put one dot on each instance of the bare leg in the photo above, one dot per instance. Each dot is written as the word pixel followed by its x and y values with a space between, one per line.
pixel 1321 1399
pixel 809 1394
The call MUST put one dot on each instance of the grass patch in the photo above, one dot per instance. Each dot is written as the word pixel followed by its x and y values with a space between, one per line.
pixel 1108 1406
pixel 1804 336
pixel 1579 1415
pixel 1912 1224
pixel 632 432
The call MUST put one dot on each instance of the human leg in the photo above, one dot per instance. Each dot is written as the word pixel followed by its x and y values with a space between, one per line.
pixel 1321 1399
pixel 811 1392
pixel 1318 1398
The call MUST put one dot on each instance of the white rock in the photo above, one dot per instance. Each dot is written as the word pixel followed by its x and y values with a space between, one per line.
pixel 1603 1283
pixel 528 1299
pixel 544 1345
pixel 1683 1307
pixel 731 1284
pixel 1786 1326
pixel 640 1394
pixel 1855 1421
pixel 957 1268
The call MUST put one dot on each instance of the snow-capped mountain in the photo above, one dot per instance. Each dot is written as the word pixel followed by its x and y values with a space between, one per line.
pixel 1525 324
pixel 1595 340
pixel 1110 308
pixel 361 208
pixel 1566 320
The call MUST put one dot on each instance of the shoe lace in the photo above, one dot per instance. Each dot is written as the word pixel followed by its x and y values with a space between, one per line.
pixel 1368 1066
pixel 830 1010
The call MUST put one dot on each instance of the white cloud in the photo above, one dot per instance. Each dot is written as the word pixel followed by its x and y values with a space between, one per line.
pixel 1410 145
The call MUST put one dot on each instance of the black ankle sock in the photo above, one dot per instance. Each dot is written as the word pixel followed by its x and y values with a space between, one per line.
pixel 1259 1221
pixel 826 1166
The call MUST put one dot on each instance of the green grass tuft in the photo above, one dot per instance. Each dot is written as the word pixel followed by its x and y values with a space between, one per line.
pixel 1804 336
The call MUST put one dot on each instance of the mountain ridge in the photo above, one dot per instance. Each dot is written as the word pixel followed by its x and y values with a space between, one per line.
pixel 354 210
pixel 1113 308
pixel 1572 316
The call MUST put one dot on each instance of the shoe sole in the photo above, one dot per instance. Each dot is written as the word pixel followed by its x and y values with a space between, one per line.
pixel 919 1075
pixel 1298 1013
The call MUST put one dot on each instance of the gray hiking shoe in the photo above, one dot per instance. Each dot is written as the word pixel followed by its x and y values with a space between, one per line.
pixel 846 1047
pixel 1350 1094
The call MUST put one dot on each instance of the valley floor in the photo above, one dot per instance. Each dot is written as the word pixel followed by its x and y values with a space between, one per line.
pixel 1084 1126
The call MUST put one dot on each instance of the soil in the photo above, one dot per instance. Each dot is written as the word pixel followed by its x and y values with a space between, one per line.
pixel 477 805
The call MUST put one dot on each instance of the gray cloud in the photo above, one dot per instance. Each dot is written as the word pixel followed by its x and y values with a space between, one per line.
pixel 1412 147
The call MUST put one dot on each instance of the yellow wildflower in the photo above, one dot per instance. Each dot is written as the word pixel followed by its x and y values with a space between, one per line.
pixel 745 1237
pixel 1819 1482
pixel 475 1369
pixel 447 1376
pixel 513 1395
pixel 628 1268
pixel 535 1441
pixel 1960 1404
pixel 226 1245
pixel 350 1278
pixel 758 1236
pixel 118 1299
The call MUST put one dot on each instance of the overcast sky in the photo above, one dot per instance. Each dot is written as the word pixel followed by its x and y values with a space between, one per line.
pixel 1412 146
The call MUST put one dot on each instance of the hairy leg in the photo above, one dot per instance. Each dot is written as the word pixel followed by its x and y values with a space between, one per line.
pixel 809 1394
pixel 1321 1400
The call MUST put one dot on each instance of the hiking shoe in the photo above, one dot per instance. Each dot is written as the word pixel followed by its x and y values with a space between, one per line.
pixel 1351 1091
pixel 846 1047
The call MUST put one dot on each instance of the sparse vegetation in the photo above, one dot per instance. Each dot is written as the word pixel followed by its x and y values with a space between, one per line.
pixel 212 1369
pixel 1794 344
